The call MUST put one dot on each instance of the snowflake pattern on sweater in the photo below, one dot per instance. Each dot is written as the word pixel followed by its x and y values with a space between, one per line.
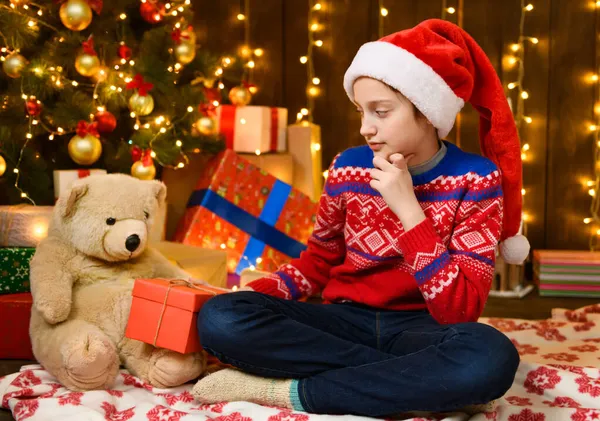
pixel 360 252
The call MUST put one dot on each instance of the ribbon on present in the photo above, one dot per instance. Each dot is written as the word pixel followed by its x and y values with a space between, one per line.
pixel 227 121
pixel 174 283
pixel 274 129
pixel 261 229
pixel 227 125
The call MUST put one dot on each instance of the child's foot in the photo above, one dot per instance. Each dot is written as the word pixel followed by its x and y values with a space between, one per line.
pixel 231 385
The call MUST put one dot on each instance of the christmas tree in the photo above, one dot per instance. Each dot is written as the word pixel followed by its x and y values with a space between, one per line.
pixel 116 84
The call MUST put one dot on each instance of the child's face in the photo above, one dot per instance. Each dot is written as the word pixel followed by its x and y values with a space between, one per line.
pixel 390 124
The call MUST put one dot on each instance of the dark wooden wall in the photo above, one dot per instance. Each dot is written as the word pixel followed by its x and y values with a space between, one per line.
pixel 561 100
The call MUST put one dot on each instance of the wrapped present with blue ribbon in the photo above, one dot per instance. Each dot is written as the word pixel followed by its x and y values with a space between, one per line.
pixel 259 220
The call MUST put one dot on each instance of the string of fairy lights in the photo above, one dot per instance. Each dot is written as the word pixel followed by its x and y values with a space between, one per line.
pixel 313 90
pixel 516 57
pixel 249 53
pixel 447 10
pixel 124 69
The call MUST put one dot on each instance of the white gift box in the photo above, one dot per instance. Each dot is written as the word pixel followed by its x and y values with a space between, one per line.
pixel 252 129
pixel 64 178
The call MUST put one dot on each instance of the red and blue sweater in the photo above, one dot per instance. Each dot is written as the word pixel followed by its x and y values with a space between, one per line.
pixel 360 252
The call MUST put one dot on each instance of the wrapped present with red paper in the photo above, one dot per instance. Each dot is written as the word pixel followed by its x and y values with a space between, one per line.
pixel 164 313
pixel 15 312
pixel 64 178
pixel 253 128
pixel 237 207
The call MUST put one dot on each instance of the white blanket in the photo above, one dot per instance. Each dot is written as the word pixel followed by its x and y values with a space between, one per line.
pixel 558 380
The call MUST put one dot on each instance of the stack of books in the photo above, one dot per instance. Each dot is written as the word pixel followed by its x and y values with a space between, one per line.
pixel 567 273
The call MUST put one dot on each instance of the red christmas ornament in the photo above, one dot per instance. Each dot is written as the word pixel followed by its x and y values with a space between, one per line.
pixel 106 121
pixel 152 12
pixel 33 106
pixel 124 52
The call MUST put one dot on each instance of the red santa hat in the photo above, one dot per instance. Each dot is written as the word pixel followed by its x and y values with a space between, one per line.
pixel 438 67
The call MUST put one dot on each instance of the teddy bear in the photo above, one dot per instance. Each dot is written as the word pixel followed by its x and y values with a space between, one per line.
pixel 82 277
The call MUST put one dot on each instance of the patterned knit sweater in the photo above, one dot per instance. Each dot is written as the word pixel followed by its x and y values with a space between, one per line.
pixel 359 251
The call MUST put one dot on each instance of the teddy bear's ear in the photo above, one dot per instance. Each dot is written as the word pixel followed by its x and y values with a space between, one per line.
pixel 76 193
pixel 159 190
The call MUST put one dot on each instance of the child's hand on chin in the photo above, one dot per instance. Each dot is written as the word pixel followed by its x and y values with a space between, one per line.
pixel 394 182
pixel 392 179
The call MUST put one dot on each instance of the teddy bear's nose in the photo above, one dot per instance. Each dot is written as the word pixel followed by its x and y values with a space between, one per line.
pixel 132 242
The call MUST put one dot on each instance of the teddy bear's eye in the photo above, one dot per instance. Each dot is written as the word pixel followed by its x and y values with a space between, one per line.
pixel 146 215
pixel 111 221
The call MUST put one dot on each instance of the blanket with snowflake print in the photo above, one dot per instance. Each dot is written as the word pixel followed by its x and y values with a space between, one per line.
pixel 558 380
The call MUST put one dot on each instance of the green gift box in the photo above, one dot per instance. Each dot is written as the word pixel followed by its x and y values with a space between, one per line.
pixel 14 269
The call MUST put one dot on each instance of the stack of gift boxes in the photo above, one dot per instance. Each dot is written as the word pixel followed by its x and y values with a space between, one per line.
pixel 257 199
pixel 250 207
pixel 21 229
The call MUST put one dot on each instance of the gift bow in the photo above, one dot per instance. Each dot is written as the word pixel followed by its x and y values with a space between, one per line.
pixel 145 156
pixel 83 129
pixel 177 35
pixel 139 83
pixel 96 5
pixel 88 46
pixel 207 109
pixel 174 283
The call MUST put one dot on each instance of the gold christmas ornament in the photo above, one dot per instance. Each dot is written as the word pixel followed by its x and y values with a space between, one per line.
pixel 102 74
pixel 2 166
pixel 141 104
pixel 143 173
pixel 14 64
pixel 87 64
pixel 206 126
pixel 85 150
pixel 76 14
pixel 240 96
pixel 185 52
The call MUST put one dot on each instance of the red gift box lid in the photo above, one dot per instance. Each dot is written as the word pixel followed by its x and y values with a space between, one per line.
pixel 180 296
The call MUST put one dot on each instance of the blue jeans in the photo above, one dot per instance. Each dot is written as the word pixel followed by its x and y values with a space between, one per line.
pixel 353 359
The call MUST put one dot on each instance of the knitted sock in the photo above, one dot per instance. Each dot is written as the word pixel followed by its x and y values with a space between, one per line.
pixel 231 385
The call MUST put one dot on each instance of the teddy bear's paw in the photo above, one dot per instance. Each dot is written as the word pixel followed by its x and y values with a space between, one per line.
pixel 54 311
pixel 170 369
pixel 90 361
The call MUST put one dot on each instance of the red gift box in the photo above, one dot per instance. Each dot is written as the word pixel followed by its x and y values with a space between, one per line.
pixel 15 312
pixel 259 220
pixel 164 313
